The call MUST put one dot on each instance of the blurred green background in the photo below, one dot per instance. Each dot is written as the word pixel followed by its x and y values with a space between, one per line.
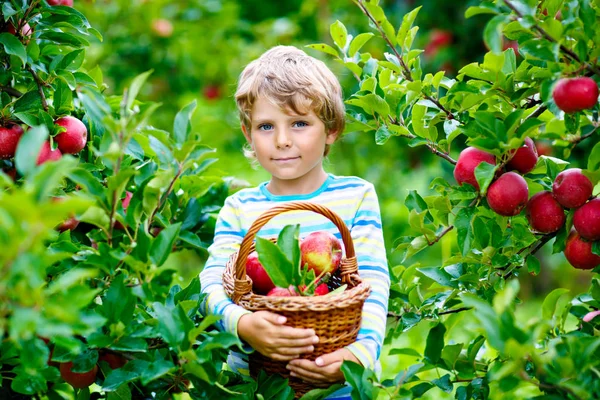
pixel 197 48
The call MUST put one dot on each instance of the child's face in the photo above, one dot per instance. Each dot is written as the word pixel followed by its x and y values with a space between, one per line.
pixel 290 147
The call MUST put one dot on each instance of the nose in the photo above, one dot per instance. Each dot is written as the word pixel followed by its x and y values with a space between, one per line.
pixel 283 139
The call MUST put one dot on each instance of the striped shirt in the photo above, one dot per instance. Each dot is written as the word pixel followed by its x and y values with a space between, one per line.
pixel 355 201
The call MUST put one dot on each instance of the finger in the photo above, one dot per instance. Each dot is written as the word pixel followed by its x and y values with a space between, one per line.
pixel 273 318
pixel 323 376
pixel 293 351
pixel 327 359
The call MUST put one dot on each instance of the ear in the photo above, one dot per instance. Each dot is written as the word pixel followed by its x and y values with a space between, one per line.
pixel 246 134
pixel 331 137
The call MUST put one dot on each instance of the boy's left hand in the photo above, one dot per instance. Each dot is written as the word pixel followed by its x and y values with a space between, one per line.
pixel 323 371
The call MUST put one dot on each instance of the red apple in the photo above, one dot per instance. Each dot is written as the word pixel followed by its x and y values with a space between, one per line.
pixel 282 292
pixel 26 30
pixel 212 92
pixel 68 3
pixel 438 38
pixel 508 194
pixel 468 160
pixel 578 252
pixel 543 148
pixel 544 213
pixel 321 290
pixel 586 220
pixel 47 154
pixel 261 283
pixel 322 252
pixel 510 44
pixel 76 379
pixel 572 188
pixel 69 224
pixel 73 140
pixel 590 316
pixel 113 360
pixel 162 27
pixel 54 2
pixel 9 138
pixel 575 94
pixel 524 158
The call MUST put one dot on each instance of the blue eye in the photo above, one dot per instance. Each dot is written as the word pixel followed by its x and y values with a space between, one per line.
pixel 300 124
pixel 265 127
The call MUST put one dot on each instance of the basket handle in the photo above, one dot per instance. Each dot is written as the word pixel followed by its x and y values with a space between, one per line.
pixel 247 242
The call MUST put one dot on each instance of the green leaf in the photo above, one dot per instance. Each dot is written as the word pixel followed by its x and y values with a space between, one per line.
pixel 135 87
pixel 288 242
pixel 435 343
pixel 170 325
pixel 549 304
pixel 28 149
pixel 276 264
pixel 492 34
pixel 339 34
pixel 407 23
pixel 533 265
pixel 484 173
pixel 444 383
pixel 358 42
pixel 163 243
pixel 118 377
pixel 594 158
pixel 439 275
pixel 63 98
pixel 119 302
pixel 324 48
pixel 464 229
pixel 13 46
pixel 405 351
pixel 486 315
pixel 182 126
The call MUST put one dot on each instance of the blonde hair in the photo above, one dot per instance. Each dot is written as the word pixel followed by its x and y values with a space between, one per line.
pixel 291 79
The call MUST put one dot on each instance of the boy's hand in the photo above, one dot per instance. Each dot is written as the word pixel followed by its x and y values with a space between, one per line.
pixel 325 370
pixel 266 333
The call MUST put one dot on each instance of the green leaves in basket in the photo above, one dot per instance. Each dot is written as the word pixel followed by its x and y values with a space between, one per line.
pixel 282 260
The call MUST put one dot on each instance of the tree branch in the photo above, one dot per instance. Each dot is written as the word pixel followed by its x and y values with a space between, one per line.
pixel 438 237
pixel 578 139
pixel 405 69
pixel 11 91
pixel 547 36
pixel 40 86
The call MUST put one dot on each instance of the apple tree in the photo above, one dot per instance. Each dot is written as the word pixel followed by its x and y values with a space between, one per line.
pixel 502 205
pixel 94 205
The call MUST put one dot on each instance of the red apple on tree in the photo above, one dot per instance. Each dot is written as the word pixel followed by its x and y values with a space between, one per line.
pixel 575 94
pixel 524 158
pixel 9 138
pixel 74 138
pixel 78 380
pixel 322 252
pixel 468 160
pixel 572 188
pixel 47 154
pixel 578 252
pixel 586 220
pixel 212 92
pixel 544 213
pixel 508 194
pixel 261 283
pixel 162 27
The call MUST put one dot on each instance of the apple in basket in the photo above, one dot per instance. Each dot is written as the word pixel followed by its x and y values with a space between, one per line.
pixel 261 283
pixel 322 252
pixel 320 290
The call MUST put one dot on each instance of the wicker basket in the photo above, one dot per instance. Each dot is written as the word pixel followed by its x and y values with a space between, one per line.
pixel 335 318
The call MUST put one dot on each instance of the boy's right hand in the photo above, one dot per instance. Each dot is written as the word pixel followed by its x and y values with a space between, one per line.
pixel 266 333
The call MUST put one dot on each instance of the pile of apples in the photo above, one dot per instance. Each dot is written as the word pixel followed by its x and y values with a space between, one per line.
pixel 321 252
pixel 71 140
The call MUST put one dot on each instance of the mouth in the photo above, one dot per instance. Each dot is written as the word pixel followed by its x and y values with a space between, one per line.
pixel 284 159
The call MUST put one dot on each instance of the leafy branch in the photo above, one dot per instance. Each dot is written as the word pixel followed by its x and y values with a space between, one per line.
pixel 405 69
pixel 548 37
pixel 12 91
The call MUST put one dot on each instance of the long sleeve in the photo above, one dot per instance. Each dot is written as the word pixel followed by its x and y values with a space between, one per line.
pixel 227 241
pixel 368 241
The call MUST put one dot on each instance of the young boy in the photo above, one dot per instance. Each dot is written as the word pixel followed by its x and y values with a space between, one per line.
pixel 291 110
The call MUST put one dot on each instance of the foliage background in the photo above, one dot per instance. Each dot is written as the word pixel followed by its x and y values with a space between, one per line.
pixel 211 41
pixel 189 62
